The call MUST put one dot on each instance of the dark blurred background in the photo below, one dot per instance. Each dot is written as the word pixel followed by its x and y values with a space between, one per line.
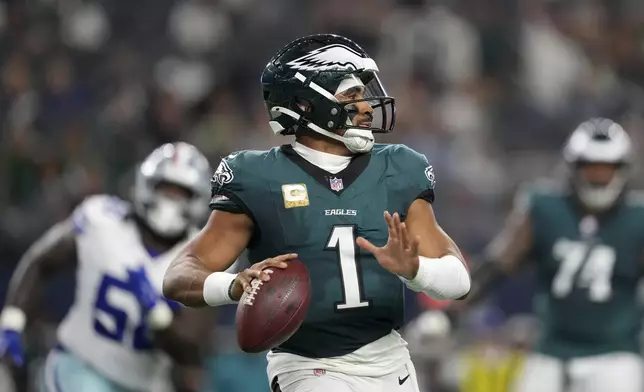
pixel 487 89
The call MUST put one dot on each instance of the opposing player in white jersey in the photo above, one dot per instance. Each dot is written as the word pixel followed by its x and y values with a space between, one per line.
pixel 119 332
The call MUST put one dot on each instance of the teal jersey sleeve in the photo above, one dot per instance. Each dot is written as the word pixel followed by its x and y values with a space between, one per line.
pixel 416 169
pixel 228 186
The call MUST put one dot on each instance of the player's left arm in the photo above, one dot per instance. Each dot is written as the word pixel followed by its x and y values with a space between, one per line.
pixel 422 254
pixel 436 246
pixel 418 250
pixel 184 341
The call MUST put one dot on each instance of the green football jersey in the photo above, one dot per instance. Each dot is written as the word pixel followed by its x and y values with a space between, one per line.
pixel 298 207
pixel 587 269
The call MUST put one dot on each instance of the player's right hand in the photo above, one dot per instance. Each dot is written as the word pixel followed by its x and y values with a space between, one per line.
pixel 11 346
pixel 256 271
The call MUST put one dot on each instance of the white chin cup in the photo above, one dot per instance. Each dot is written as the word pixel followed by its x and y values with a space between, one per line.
pixel 358 140
pixel 167 217
pixel 600 198
pixel 355 139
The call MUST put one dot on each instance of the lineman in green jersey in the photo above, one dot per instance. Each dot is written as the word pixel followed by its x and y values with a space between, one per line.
pixel 587 239
pixel 322 200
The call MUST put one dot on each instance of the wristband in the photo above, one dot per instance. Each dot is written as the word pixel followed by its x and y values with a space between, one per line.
pixel 217 289
pixel 442 278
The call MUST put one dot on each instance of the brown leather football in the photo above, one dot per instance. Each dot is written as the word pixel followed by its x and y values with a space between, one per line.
pixel 271 313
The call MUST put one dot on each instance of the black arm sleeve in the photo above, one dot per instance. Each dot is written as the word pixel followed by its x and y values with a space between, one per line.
pixel 224 203
pixel 427 195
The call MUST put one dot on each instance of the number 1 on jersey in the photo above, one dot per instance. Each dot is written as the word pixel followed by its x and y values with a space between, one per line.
pixel 343 241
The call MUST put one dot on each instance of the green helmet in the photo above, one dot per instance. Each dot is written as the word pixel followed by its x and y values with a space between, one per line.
pixel 300 83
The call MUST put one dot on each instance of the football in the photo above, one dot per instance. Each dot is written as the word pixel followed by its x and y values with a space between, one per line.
pixel 272 312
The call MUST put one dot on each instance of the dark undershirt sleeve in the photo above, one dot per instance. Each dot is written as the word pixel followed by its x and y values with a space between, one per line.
pixel 223 203
pixel 427 195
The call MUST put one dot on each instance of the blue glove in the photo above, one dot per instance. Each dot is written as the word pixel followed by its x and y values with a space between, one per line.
pixel 142 288
pixel 11 346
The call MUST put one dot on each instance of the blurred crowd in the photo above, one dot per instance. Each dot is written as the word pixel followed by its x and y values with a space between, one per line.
pixel 487 89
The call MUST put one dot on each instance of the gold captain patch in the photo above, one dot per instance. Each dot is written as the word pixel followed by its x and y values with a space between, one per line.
pixel 295 195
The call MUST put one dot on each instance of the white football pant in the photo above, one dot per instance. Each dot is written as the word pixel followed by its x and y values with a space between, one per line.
pixel 401 380
pixel 619 372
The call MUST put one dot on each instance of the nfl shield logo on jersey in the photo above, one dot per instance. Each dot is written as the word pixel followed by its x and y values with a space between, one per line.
pixel 336 184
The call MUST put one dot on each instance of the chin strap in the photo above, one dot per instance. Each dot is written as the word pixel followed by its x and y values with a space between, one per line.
pixel 357 140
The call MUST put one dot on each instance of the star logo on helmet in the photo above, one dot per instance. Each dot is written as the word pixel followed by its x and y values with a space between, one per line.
pixel 332 57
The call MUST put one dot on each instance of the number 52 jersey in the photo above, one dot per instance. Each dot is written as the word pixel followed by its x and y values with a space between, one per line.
pixel 298 207
pixel 105 327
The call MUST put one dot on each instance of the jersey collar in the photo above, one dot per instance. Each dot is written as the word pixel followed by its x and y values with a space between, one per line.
pixel 347 176
pixel 328 162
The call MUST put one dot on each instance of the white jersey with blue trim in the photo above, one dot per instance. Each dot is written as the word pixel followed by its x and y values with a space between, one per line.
pixel 105 327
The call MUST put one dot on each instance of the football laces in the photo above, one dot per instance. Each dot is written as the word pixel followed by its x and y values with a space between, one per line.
pixel 255 286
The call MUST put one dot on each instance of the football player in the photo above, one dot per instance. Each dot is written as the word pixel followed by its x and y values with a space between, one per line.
pixel 322 200
pixel 587 241
pixel 114 336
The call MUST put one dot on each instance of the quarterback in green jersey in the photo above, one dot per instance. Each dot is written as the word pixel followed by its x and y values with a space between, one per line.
pixel 587 241
pixel 322 199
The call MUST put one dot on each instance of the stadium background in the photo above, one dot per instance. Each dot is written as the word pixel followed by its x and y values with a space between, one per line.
pixel 487 89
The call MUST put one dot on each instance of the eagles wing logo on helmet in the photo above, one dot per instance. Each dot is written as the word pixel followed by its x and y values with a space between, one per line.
pixel 332 57
pixel 223 174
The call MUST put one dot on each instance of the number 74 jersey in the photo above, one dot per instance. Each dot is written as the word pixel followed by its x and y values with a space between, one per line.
pixel 588 270
pixel 298 207
pixel 105 326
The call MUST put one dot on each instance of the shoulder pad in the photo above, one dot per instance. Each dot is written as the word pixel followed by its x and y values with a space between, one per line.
pixel 530 192
pixel 408 170
pixel 412 164
pixel 98 210
pixel 544 187
pixel 398 150
pixel 410 156
pixel 235 163
pixel 237 177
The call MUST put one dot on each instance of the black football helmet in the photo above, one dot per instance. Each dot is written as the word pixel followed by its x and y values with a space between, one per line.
pixel 599 140
pixel 301 81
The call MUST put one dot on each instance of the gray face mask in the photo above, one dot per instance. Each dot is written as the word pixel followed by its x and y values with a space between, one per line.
pixel 168 217
pixel 357 140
